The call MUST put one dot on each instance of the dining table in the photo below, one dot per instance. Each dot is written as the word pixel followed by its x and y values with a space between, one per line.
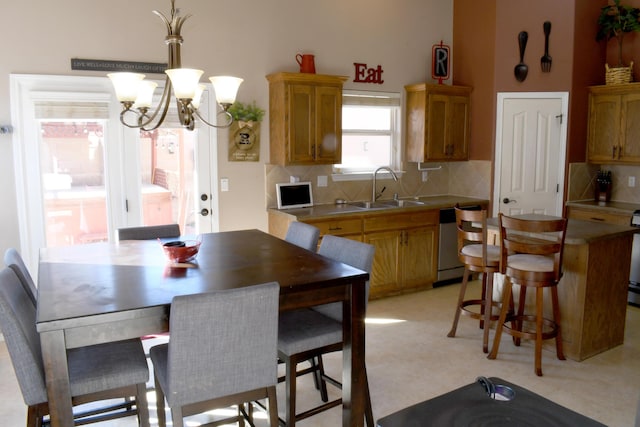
pixel 109 291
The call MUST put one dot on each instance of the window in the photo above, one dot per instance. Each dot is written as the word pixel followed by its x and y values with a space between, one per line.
pixel 370 132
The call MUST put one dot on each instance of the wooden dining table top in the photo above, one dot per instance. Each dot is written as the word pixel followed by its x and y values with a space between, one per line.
pixel 98 278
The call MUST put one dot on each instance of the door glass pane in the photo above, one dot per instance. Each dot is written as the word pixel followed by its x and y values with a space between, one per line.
pixel 168 185
pixel 72 172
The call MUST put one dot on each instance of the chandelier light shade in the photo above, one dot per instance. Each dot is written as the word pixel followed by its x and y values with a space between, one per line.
pixel 136 94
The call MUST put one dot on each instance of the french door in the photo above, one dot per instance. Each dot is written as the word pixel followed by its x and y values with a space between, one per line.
pixel 81 174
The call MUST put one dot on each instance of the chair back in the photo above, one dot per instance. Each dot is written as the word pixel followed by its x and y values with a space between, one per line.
pixel 149 232
pixel 222 343
pixel 543 238
pixel 13 260
pixel 18 324
pixel 356 254
pixel 303 235
pixel 472 239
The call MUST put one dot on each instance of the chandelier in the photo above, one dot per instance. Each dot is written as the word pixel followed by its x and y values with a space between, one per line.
pixel 136 94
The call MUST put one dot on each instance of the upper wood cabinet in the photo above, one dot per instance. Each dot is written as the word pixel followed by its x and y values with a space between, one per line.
pixel 614 124
pixel 437 122
pixel 305 118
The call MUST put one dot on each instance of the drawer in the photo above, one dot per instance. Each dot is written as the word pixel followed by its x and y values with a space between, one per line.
pixel 417 218
pixel 599 216
pixel 338 227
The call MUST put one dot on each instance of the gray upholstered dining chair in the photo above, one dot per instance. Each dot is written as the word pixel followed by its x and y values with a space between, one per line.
pixel 149 232
pixel 303 235
pixel 309 333
pixel 13 260
pixel 221 352
pixel 98 372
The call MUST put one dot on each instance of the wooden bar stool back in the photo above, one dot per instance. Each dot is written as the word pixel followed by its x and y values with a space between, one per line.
pixel 477 257
pixel 531 256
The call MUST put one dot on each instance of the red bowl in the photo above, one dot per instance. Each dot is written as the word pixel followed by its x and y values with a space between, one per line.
pixel 176 252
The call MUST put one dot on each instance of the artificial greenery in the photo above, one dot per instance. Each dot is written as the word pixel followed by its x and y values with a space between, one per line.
pixel 246 112
pixel 615 21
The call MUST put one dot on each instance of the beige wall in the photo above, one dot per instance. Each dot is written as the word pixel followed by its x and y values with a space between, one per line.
pixel 247 38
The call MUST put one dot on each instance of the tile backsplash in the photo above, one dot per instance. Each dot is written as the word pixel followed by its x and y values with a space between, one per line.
pixel 582 178
pixel 472 179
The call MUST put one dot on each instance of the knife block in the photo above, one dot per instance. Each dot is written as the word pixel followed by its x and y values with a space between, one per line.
pixel 603 192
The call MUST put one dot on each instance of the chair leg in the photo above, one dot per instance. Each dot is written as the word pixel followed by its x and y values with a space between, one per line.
pixel 176 417
pixel 162 418
pixel 488 308
pixel 290 384
pixel 483 305
pixel 556 319
pixel 463 289
pixel 321 381
pixel 273 407
pixel 539 326
pixel 503 317
pixel 142 405
pixel 522 299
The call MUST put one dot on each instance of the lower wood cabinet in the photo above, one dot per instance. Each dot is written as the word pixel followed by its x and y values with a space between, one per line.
pixel 406 257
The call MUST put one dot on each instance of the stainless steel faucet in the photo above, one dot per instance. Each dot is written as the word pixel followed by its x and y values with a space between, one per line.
pixel 374 195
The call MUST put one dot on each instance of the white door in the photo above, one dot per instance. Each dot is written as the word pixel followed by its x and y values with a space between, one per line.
pixel 530 153
pixel 80 174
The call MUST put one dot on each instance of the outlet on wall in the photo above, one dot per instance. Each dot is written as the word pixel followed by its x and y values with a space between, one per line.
pixel 632 181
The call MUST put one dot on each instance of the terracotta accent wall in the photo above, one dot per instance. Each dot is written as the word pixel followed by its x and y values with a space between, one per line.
pixel 474 55
pixel 486 52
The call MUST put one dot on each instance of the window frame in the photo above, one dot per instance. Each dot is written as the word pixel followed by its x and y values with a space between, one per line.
pixel 373 99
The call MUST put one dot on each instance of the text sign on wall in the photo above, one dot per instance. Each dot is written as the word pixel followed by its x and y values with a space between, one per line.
pixel 106 65
pixel 440 62
pixel 364 74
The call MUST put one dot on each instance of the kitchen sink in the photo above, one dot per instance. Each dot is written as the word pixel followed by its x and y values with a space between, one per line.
pixel 386 204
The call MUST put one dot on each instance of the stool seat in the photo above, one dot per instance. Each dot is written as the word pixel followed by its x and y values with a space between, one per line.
pixel 530 261
pixel 480 257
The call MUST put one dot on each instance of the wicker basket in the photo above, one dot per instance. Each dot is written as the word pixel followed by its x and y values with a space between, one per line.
pixel 618 75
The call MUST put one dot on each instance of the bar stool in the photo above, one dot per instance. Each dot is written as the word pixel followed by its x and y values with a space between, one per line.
pixel 477 256
pixel 531 256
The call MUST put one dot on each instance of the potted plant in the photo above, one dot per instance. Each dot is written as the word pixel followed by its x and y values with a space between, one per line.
pixel 246 112
pixel 616 21
pixel 244 134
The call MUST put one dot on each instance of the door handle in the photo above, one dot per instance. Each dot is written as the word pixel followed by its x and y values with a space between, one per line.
pixel 508 200
pixel 204 197
pixel 204 212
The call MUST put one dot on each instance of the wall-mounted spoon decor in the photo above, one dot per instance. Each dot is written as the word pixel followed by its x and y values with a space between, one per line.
pixel 545 61
pixel 521 69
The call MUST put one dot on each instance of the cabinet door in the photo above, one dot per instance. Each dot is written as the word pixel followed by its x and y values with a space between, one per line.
pixel 385 274
pixel 437 117
pixel 328 124
pixel 301 138
pixel 415 124
pixel 458 125
pixel 630 137
pixel 419 262
pixel 604 125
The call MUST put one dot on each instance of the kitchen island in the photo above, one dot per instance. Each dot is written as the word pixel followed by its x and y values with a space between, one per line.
pixel 593 290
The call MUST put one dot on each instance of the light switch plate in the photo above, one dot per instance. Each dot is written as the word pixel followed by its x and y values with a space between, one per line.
pixel 632 181
pixel 322 180
pixel 224 184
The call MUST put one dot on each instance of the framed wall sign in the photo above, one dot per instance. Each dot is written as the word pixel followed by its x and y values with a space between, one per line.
pixel 440 62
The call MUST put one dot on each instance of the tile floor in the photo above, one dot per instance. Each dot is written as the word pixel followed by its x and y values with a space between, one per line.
pixel 410 359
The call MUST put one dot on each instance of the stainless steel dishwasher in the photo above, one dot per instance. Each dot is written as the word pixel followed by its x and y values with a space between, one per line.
pixel 449 266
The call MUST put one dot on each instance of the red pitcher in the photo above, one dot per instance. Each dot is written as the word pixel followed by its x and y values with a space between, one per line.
pixel 306 63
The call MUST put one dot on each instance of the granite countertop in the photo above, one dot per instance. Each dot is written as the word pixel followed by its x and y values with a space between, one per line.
pixel 580 232
pixel 331 209
pixel 614 207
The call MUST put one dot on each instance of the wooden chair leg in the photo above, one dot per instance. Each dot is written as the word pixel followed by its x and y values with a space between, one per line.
pixel 290 385
pixel 503 317
pixel 463 289
pixel 483 306
pixel 522 299
pixel 162 418
pixel 539 326
pixel 322 382
pixel 176 417
pixel 556 319
pixel 368 410
pixel 142 405
pixel 488 309
pixel 273 407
